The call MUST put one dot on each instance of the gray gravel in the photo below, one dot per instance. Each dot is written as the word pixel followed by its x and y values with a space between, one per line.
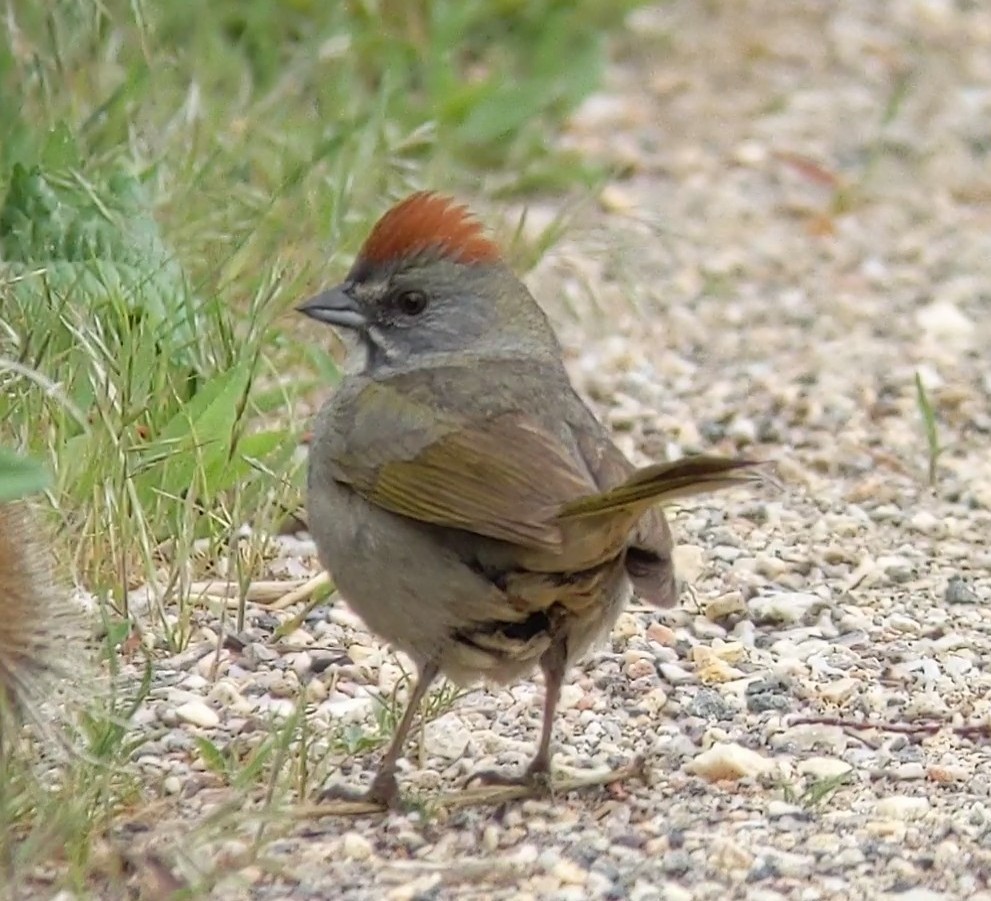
pixel 803 225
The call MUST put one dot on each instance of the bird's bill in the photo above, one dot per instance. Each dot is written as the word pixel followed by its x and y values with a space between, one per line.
pixel 335 307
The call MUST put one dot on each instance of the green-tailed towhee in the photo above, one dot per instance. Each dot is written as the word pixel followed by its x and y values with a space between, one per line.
pixel 469 506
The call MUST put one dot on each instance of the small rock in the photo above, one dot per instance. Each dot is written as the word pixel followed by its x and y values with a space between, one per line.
pixel 198 714
pixel 654 700
pixel 728 604
pixel 902 807
pixel 925 522
pixel 750 153
pixel 626 626
pixel 911 770
pixel 568 872
pixel 348 710
pixel 769 694
pixel 172 785
pixel 710 704
pixel 902 623
pixel 640 669
pixel 824 767
pixel 957 666
pixel 959 592
pixel 784 608
pixel 728 760
pixel 777 808
pixel 447 736
pixel 675 674
pixel 663 635
pixel 298 638
pixel 771 566
pixel 728 856
pixel 839 690
pixel 666 891
pixel 689 559
pixel 943 320
pixel 715 670
pixel 355 846
pixel 615 199
pixel 919 894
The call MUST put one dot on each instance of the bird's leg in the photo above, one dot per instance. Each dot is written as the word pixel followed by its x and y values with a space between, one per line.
pixel 553 664
pixel 384 789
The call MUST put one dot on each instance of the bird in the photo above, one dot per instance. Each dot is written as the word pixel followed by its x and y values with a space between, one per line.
pixel 470 507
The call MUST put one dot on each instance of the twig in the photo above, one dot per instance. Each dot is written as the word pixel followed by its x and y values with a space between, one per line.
pixel 301 592
pixel 969 730
pixel 262 591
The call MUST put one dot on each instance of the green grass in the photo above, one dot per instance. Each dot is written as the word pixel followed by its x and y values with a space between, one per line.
pixel 173 177
pixel 930 428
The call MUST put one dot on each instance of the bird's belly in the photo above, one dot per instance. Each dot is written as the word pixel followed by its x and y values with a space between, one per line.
pixel 413 588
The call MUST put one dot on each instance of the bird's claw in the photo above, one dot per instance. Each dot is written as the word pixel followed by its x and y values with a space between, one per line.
pixel 537 779
pixel 384 792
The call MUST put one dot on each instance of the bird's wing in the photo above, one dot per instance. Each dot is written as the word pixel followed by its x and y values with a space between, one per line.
pixel 503 477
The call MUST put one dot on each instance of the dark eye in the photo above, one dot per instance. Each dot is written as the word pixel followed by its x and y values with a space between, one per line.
pixel 411 303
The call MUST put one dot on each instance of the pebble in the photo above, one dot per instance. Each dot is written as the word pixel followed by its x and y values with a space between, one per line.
pixel 447 736
pixel 911 770
pixel 729 604
pixel 958 591
pixel 568 873
pixel 901 807
pixel 728 760
pixel 675 674
pixel 943 320
pixel 355 846
pixel 783 608
pixel 839 690
pixel 689 560
pixel 662 634
pixel 198 713
pixel 824 767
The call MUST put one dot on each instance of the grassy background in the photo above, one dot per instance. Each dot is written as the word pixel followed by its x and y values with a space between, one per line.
pixel 173 177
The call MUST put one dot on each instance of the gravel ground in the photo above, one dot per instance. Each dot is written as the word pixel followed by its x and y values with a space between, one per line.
pixel 803 226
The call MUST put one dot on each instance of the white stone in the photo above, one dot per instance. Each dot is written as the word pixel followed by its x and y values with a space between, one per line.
pixel 839 690
pixel 786 608
pixel 675 674
pixel 355 846
pixel 571 694
pixel 824 767
pixel 943 320
pixel 348 709
pixel 197 713
pixel 902 807
pixel 689 559
pixel 447 737
pixel 728 760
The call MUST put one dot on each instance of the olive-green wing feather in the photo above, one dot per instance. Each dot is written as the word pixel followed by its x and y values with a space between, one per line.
pixel 502 478
pixel 664 482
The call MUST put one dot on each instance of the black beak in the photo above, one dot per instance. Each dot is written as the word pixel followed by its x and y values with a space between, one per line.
pixel 335 306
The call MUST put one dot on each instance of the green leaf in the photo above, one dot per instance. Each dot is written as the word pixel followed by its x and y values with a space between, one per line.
pixel 92 244
pixel 212 757
pixel 20 476
pixel 195 446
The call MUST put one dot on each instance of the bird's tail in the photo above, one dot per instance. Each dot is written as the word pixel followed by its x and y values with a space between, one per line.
pixel 664 482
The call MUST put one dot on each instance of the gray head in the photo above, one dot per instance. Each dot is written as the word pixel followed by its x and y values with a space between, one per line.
pixel 428 282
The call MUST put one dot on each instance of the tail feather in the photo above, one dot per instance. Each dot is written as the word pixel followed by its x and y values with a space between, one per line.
pixel 663 482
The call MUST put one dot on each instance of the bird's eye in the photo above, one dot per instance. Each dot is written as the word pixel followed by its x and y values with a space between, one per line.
pixel 411 303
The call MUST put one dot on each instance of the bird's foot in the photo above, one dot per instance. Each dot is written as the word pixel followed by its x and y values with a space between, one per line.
pixel 536 778
pixel 383 792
